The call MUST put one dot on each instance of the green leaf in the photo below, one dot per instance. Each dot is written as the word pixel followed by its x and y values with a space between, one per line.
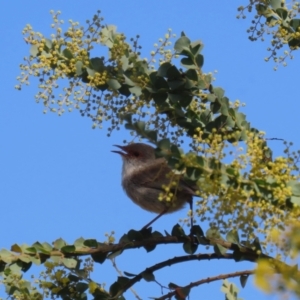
pixel 160 84
pixel 134 235
pixel 196 47
pixel 164 144
pixel 68 249
pixel 211 97
pixel 91 243
pixel 114 84
pixel 79 242
pixel 275 4
pixel 91 72
pixel 59 243
pixel 46 247
pixel 224 106
pixel 163 69
pixel 199 60
pixel 124 239
pixel 294 43
pixel 148 276
pixel 261 9
pixel 200 161
pixel 238 255
pixel 230 290
pixel 295 200
pixel 16 248
pixel 173 73
pixel 193 173
pixel 233 237
pixel 149 248
pixel 295 23
pixel 123 280
pixel 97 64
pixel 186 99
pixel 48 44
pixel 81 287
pixel 213 233
pixel 30 250
pixel 197 230
pixel 215 108
pixel 156 234
pixel 175 151
pixel 282 12
pixel 151 135
pixel 178 231
pixel 125 62
pixel 160 98
pixel 177 84
pixel 78 66
pixel 243 280
pixel 189 247
pixel 182 44
pixel 188 63
pixel 295 187
pixel 136 90
pixel 107 33
pixel 128 81
pixel 124 90
pixel 99 257
pixel 73 278
pixel 146 232
pixel 67 53
pixel 220 250
pixel 191 74
pixel 70 262
pixel 219 92
pixel 115 288
pixel 14 268
pixel 34 50
pixel 182 98
pixel 24 258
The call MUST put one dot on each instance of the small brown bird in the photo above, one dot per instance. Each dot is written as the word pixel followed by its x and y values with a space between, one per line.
pixel 148 180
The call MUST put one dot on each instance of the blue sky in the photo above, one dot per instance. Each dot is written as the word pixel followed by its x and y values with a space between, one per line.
pixel 59 178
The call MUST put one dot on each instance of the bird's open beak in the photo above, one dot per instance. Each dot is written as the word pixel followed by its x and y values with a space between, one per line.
pixel 120 152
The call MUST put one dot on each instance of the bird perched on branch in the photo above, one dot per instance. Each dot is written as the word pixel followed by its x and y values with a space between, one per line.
pixel 150 182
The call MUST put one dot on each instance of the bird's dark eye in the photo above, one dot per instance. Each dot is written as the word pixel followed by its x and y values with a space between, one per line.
pixel 136 154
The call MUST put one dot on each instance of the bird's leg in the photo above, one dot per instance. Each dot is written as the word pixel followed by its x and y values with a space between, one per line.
pixel 157 217
pixel 192 216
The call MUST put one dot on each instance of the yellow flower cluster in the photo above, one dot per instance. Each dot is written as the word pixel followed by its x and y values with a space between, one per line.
pixel 98 79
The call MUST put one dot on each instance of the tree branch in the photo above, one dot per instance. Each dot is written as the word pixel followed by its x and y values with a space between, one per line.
pixel 173 261
pixel 207 280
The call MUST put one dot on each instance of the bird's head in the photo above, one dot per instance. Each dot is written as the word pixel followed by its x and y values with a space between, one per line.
pixel 137 153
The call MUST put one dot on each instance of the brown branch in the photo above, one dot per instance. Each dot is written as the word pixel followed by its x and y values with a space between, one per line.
pixel 103 248
pixel 207 280
pixel 147 242
pixel 173 261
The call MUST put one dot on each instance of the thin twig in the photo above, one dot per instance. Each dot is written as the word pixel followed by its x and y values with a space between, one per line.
pixel 113 261
pixel 207 280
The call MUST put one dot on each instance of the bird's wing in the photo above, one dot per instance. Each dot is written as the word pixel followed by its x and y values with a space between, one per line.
pixel 159 174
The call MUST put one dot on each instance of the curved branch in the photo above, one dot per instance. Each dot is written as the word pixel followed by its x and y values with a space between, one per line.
pixel 106 249
pixel 153 241
pixel 173 261
pixel 207 280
